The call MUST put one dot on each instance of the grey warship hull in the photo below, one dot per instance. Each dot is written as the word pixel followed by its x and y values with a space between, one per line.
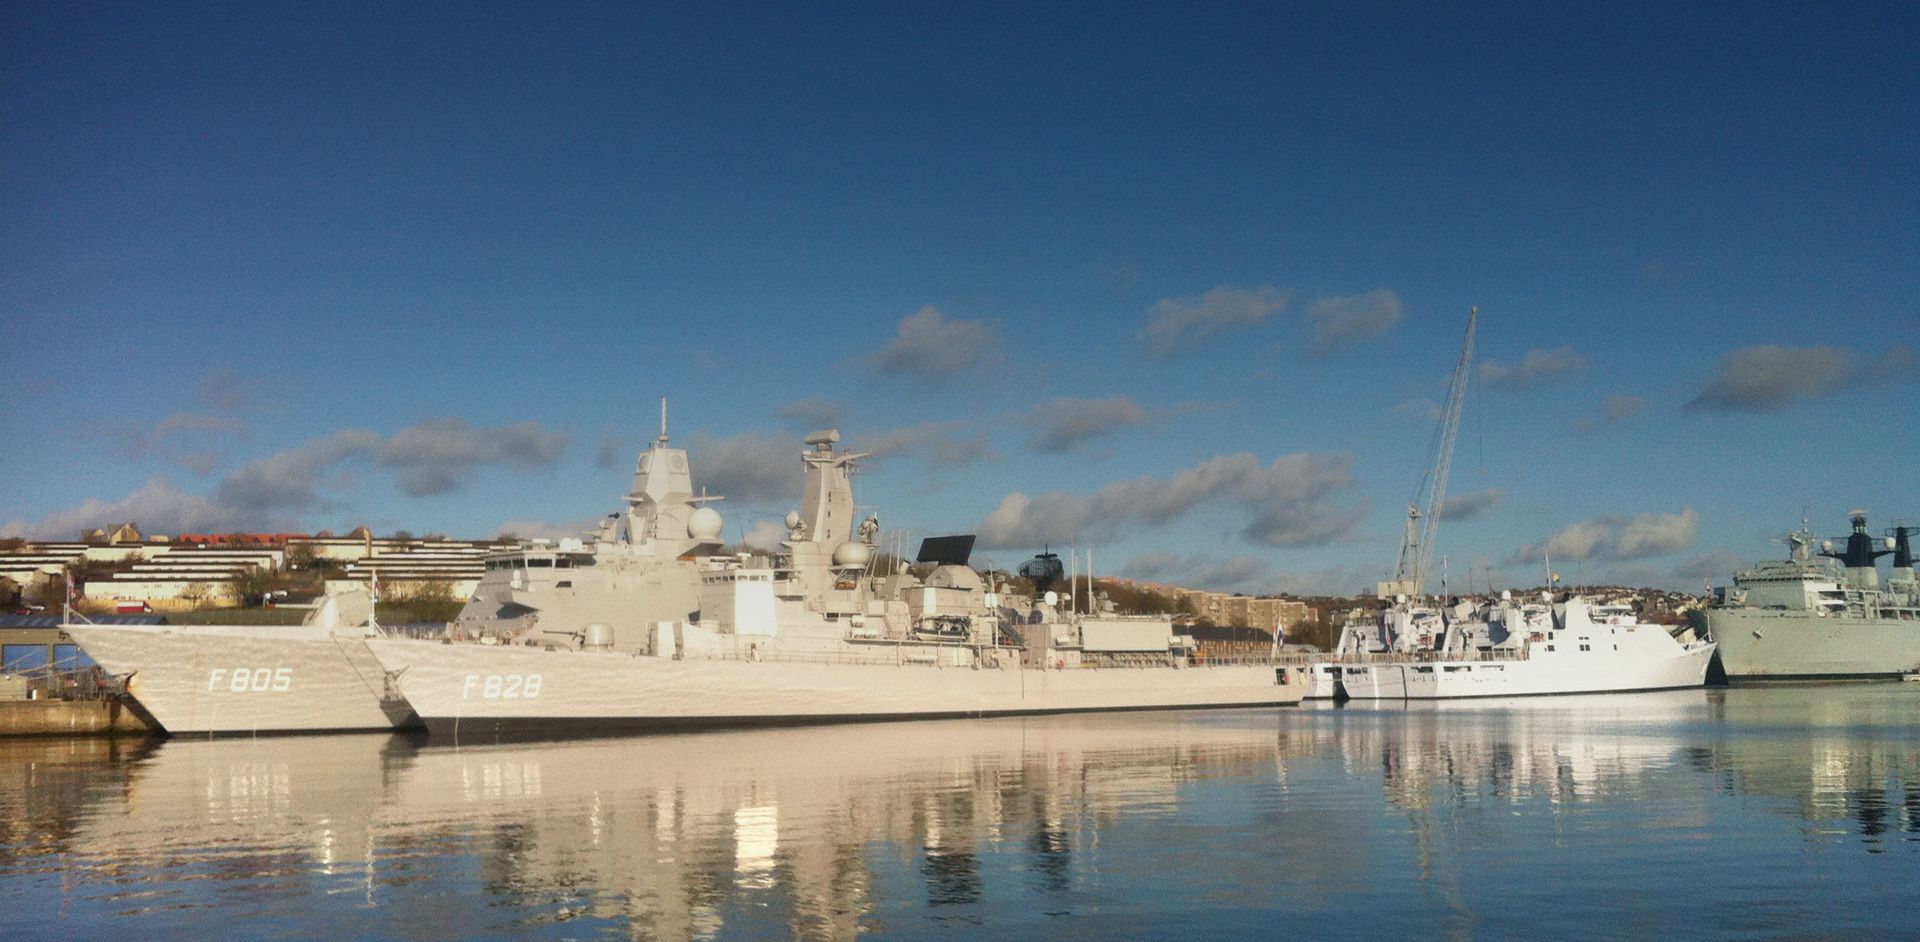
pixel 482 693
pixel 1759 645
pixel 213 679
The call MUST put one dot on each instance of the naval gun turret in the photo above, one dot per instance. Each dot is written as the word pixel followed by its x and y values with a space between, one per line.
pixel 1860 555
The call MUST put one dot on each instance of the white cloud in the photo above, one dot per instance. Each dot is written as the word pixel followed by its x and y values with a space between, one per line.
pixel 156 508
pixel 1471 506
pixel 432 457
pixel 1339 321
pixel 1617 408
pixel 1617 538
pixel 1614 409
pixel 193 423
pixel 933 350
pixel 1657 535
pixel 224 390
pixel 1719 566
pixel 812 413
pixel 1534 366
pixel 1285 503
pixel 528 529
pixel 614 451
pixel 952 443
pixel 1770 378
pixel 1213 573
pixel 766 534
pixel 1174 324
pixel 1064 424
pixel 1426 410
pixel 1333 580
pixel 749 468
pixel 290 479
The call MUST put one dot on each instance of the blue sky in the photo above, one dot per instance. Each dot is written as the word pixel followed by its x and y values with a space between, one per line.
pixel 1178 281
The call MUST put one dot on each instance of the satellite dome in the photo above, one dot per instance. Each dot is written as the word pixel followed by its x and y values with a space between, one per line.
pixel 793 519
pixel 852 554
pixel 705 524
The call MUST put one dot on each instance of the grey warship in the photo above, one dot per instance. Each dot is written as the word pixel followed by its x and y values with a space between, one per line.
pixel 1823 615
pixel 826 630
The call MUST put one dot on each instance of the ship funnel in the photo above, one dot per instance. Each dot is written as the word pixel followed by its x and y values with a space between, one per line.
pixel 1903 546
pixel 1860 555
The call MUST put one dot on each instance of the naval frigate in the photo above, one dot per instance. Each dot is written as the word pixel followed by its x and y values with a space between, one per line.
pixel 1824 615
pixel 320 676
pixel 826 630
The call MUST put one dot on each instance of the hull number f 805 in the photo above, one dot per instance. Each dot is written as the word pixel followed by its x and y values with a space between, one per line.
pixel 500 687
pixel 251 679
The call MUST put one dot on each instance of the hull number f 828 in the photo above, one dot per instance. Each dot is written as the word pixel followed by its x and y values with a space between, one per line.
pixel 500 687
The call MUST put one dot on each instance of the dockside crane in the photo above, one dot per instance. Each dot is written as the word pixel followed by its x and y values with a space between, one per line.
pixel 1423 525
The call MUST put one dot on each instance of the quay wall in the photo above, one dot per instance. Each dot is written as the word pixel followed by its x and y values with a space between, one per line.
pixel 71 718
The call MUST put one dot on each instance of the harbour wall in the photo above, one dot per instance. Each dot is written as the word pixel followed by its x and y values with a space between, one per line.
pixel 72 718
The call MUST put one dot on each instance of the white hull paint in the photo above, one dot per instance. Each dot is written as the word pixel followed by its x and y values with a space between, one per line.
pixel 1619 659
pixel 479 692
pixel 1323 681
pixel 247 679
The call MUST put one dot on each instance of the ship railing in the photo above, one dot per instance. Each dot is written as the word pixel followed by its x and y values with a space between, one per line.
pixel 54 683
pixel 1403 657
pixel 419 631
pixel 919 654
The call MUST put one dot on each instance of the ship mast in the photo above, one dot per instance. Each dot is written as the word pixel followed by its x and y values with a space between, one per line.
pixel 1423 525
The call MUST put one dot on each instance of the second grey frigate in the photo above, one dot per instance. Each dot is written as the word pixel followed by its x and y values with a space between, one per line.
pixel 824 631
pixel 1805 618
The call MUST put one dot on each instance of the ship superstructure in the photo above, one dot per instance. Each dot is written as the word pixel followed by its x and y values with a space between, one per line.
pixel 639 567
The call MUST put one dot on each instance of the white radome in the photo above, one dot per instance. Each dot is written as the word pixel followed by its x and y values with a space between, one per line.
pixel 852 554
pixel 705 524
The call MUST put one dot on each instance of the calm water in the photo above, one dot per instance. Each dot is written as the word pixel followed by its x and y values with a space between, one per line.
pixel 1773 813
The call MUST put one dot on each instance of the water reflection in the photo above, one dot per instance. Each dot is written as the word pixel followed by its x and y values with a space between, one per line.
pixel 1461 819
pixel 1842 757
pixel 810 823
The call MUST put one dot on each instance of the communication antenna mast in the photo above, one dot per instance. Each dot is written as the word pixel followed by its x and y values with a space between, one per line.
pixel 1423 525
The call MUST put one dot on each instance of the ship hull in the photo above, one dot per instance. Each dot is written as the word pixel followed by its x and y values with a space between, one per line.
pixel 1323 681
pixel 217 679
pixel 1758 645
pixel 1541 674
pixel 480 693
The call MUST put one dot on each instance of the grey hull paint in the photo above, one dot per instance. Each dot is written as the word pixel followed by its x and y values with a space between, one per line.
pixel 1763 646
pixel 531 728
pixel 185 678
